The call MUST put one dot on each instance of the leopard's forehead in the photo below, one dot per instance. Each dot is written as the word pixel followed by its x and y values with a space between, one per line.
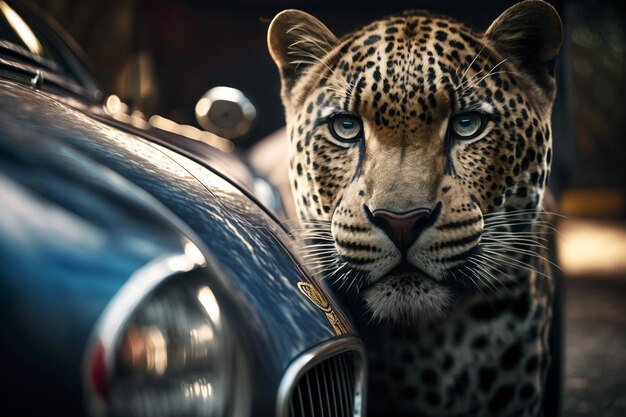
pixel 414 28
pixel 410 70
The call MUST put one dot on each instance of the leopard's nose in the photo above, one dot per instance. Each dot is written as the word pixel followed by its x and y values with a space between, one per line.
pixel 402 228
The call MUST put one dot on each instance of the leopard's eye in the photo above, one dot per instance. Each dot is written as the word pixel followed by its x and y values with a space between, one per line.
pixel 346 128
pixel 468 125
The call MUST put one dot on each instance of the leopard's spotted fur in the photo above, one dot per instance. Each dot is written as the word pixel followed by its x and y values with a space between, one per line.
pixel 463 324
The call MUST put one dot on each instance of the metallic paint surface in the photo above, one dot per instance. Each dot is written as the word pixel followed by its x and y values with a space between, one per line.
pixel 83 205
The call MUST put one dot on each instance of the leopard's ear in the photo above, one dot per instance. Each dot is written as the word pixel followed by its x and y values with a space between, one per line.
pixel 529 34
pixel 296 40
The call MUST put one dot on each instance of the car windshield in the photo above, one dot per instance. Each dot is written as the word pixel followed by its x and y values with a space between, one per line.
pixel 24 42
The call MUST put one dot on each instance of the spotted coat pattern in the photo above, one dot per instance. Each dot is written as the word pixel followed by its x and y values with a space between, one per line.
pixel 458 320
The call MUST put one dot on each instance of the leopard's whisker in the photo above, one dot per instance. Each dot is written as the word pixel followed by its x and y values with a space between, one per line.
pixel 512 262
pixel 488 277
pixel 472 63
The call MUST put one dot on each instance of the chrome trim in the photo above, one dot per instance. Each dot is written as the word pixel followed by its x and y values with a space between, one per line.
pixel 50 77
pixel 119 310
pixel 317 355
pixel 230 95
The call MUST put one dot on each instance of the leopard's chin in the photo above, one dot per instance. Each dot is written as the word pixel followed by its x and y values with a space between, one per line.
pixel 408 298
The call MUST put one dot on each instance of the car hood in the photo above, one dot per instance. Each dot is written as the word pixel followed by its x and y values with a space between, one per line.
pixel 85 205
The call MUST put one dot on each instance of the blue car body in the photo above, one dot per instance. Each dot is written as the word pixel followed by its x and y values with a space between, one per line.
pixel 87 203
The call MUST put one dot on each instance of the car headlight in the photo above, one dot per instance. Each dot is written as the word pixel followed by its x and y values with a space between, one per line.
pixel 164 354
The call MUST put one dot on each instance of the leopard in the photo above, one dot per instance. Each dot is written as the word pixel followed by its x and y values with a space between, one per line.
pixel 419 156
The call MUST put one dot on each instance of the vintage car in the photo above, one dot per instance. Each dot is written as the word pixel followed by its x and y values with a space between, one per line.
pixel 140 275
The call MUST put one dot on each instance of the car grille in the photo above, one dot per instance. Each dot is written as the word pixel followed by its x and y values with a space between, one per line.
pixel 328 389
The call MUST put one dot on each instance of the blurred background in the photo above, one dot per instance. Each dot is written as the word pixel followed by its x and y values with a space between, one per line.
pixel 161 56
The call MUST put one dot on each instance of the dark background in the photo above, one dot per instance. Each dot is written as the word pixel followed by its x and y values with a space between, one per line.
pixel 160 56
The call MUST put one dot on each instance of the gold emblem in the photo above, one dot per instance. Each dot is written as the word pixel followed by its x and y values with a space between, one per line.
pixel 317 298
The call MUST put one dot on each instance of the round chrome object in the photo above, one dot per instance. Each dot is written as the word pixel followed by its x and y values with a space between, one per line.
pixel 226 112
pixel 170 360
pixel 166 353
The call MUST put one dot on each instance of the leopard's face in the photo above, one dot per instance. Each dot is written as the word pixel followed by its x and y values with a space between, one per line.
pixel 417 146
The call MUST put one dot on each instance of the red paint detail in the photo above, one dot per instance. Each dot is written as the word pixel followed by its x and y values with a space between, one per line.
pixel 98 372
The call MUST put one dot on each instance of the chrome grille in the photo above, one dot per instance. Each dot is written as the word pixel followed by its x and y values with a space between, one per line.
pixel 329 389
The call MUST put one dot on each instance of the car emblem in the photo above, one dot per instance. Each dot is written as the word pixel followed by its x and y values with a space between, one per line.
pixel 315 295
